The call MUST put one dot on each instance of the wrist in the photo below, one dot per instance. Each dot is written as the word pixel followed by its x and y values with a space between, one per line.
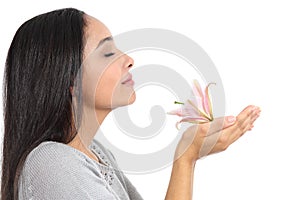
pixel 185 160
pixel 184 154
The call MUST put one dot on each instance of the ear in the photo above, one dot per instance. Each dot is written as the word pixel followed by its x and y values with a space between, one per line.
pixel 71 90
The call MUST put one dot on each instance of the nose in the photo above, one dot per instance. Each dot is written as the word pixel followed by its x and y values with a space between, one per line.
pixel 128 61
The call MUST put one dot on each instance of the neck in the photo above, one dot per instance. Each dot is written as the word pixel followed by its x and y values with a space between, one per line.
pixel 91 121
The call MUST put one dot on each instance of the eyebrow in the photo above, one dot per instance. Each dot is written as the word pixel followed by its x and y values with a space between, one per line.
pixel 109 38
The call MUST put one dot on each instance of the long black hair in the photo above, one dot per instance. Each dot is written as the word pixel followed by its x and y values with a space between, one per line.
pixel 42 62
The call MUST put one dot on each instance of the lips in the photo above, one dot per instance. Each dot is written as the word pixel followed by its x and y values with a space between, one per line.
pixel 128 79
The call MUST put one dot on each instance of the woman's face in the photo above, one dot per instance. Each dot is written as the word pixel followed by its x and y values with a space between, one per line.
pixel 106 81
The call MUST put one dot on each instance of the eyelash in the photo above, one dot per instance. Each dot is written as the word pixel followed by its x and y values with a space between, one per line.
pixel 109 54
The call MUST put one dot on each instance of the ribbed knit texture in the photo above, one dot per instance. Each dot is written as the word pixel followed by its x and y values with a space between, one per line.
pixel 55 171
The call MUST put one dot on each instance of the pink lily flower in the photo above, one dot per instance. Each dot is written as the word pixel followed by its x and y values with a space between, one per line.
pixel 198 109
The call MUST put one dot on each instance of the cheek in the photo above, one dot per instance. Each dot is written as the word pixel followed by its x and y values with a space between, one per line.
pixel 99 77
pixel 89 85
pixel 107 85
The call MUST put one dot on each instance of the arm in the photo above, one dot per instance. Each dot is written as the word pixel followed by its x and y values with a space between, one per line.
pixel 181 181
pixel 201 140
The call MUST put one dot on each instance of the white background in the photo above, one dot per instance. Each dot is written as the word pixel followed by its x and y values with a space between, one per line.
pixel 256 46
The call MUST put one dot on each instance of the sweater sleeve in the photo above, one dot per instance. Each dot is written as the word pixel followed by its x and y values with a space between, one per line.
pixel 51 173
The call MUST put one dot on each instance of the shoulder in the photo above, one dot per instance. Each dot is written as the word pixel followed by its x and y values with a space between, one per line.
pixel 49 155
pixel 55 169
pixel 51 160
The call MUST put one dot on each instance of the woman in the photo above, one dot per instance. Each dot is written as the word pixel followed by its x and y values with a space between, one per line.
pixel 63 76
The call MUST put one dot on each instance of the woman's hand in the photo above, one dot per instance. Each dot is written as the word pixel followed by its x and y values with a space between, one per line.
pixel 205 139
pixel 202 140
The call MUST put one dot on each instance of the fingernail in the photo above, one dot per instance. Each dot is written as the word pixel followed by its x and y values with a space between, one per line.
pixel 253 108
pixel 257 112
pixel 231 119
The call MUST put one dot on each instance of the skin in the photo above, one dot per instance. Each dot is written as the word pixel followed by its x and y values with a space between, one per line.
pixel 103 91
pixel 223 131
pixel 102 86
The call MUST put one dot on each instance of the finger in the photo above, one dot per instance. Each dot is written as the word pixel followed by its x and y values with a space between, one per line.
pixel 245 126
pixel 244 122
pixel 243 119
pixel 207 129
pixel 219 124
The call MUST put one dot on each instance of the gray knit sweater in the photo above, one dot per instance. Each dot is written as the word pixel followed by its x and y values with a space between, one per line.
pixel 55 171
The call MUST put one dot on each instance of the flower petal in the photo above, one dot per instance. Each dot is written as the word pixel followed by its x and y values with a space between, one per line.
pixel 197 109
pixel 193 121
pixel 198 94
pixel 201 112
pixel 199 119
pixel 207 102
pixel 177 112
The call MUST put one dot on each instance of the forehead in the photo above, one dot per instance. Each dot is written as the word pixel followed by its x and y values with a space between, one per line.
pixel 95 31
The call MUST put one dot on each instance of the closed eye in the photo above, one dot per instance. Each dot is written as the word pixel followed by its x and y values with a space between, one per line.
pixel 109 54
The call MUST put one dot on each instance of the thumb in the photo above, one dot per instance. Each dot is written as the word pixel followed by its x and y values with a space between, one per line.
pixel 221 123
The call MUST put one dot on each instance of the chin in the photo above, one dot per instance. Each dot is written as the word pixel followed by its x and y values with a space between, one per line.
pixel 131 98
